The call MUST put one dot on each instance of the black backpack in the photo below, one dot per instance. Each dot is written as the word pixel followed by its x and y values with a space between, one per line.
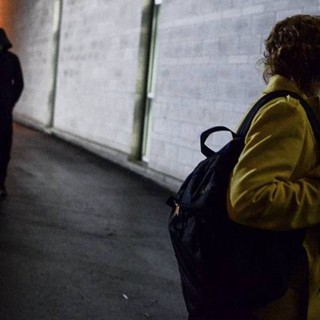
pixel 224 265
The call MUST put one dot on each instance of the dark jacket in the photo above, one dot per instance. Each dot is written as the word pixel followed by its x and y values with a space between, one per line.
pixel 11 82
pixel 11 79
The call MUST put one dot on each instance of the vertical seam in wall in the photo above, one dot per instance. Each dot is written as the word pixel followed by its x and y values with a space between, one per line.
pixel 56 44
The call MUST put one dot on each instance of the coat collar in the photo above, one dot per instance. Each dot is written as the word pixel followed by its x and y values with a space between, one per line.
pixel 278 82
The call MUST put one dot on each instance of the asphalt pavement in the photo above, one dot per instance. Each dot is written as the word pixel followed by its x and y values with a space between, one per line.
pixel 82 238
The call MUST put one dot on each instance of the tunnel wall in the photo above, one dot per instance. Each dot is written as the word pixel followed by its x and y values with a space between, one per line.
pixel 82 66
pixel 29 25
pixel 97 71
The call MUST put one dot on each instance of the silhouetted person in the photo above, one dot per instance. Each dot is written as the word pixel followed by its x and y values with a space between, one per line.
pixel 11 86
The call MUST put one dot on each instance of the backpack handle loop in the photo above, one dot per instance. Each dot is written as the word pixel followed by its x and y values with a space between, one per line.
pixel 205 150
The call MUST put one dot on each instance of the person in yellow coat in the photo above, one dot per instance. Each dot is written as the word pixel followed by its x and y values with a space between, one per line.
pixel 276 182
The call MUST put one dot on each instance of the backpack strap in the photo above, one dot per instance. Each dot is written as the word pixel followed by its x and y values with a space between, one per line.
pixel 205 150
pixel 244 127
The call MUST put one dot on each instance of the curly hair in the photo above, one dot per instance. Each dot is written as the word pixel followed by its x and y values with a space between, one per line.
pixel 293 50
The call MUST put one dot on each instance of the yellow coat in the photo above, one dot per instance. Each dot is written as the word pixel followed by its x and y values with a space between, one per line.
pixel 276 182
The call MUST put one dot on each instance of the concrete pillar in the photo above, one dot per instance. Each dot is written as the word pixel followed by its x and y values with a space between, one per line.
pixel 141 84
